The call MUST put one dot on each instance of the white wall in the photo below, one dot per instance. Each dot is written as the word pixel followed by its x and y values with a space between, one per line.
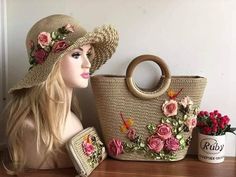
pixel 195 37
pixel 3 68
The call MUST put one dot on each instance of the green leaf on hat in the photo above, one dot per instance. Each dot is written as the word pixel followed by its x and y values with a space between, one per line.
pixel 54 34
pixel 31 61
pixel 61 37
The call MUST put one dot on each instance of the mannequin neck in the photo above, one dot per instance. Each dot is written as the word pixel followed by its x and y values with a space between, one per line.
pixel 69 93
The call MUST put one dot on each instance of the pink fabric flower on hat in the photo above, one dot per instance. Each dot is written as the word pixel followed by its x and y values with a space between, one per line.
pixel 172 144
pixel 155 143
pixel 70 28
pixel 115 147
pixel 164 131
pixel 170 108
pixel 59 46
pixel 44 39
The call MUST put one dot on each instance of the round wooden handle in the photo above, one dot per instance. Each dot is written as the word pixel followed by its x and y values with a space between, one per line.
pixel 159 90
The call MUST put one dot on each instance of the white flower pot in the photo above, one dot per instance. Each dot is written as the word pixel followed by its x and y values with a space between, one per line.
pixel 211 149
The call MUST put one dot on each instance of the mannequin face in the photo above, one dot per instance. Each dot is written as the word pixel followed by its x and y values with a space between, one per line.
pixel 75 67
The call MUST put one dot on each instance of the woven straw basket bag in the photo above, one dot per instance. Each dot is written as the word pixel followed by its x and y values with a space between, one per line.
pixel 148 125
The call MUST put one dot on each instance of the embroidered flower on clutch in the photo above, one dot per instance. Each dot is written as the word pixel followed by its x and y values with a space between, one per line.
pixel 94 149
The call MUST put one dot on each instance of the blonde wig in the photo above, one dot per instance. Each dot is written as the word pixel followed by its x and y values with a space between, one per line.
pixel 46 106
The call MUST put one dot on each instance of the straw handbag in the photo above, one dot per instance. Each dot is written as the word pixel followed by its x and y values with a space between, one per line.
pixel 148 125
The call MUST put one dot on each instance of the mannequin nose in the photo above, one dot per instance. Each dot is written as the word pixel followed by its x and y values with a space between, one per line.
pixel 86 63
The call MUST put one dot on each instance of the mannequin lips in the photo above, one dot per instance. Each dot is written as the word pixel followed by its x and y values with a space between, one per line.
pixel 85 75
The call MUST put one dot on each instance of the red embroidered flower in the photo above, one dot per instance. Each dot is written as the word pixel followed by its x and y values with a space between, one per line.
pixel 40 55
pixel 155 143
pixel 44 39
pixel 59 46
pixel 115 147
pixel 170 108
pixel 172 144
pixel 164 131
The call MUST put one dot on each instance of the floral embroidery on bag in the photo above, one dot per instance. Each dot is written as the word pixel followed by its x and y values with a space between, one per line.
pixel 94 149
pixel 166 137
pixel 49 42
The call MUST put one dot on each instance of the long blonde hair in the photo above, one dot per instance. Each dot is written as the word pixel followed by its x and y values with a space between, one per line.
pixel 46 105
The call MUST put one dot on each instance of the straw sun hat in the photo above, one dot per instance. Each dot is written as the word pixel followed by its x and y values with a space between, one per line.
pixel 51 37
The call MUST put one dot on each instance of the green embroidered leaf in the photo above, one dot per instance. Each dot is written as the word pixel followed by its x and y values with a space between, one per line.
pixel 175 123
pixel 162 121
pixel 180 122
pixel 179 136
pixel 168 121
pixel 174 130
pixel 142 145
pixel 182 141
pixel 180 128
pixel 151 128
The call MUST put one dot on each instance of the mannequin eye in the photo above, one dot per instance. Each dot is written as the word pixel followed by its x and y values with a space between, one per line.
pixel 75 55
pixel 89 54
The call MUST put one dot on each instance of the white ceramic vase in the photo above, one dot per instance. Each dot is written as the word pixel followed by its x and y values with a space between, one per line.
pixel 211 148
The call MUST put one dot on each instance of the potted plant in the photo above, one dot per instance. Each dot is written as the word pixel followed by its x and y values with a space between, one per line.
pixel 212 127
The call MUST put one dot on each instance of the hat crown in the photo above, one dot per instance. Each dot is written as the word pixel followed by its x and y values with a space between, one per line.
pixel 50 26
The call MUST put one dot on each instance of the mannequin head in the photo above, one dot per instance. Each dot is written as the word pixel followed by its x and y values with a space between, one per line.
pixel 62 56
pixel 75 67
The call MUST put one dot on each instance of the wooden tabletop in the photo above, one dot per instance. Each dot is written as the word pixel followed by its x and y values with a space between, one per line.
pixel 189 167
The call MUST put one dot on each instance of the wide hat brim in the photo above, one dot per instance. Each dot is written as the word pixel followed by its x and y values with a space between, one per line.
pixel 104 40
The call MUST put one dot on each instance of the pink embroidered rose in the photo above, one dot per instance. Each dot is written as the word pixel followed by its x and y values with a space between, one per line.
pixel 115 147
pixel 59 46
pixel 131 134
pixel 88 148
pixel 172 144
pixel 44 39
pixel 164 131
pixel 170 108
pixel 155 143
pixel 70 28
pixel 191 123
pixel 40 55
pixel 186 101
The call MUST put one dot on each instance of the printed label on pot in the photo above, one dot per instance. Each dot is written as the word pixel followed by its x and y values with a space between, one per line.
pixel 211 145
